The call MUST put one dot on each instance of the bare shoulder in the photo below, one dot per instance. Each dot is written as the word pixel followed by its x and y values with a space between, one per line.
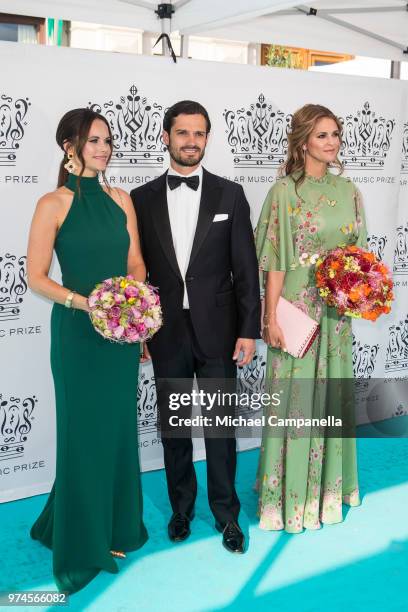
pixel 55 200
pixel 121 197
pixel 126 199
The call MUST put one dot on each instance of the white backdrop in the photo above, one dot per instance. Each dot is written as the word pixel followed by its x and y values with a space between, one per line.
pixel 250 109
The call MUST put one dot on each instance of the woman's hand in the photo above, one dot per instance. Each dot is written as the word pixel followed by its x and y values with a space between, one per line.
pixel 80 302
pixel 144 353
pixel 271 332
pixel 273 335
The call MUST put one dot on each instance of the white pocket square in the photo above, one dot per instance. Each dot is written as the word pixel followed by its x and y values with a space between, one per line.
pixel 220 217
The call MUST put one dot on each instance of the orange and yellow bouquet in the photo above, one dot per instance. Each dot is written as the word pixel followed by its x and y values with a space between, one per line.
pixel 355 282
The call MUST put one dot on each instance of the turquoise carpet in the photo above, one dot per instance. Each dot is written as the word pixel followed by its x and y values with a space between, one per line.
pixel 360 564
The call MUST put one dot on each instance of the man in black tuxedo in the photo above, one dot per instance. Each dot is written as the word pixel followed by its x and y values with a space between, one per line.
pixel 198 247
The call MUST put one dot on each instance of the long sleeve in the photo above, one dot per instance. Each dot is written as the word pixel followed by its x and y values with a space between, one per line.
pixel 361 224
pixel 273 234
pixel 245 270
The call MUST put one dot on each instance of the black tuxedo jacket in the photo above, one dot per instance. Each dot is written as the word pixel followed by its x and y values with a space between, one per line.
pixel 222 275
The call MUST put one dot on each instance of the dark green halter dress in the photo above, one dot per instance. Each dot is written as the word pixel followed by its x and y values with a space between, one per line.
pixel 96 502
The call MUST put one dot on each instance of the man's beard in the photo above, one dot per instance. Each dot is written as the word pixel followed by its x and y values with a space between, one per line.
pixel 185 162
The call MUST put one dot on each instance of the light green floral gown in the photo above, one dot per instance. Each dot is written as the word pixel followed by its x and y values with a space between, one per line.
pixel 302 480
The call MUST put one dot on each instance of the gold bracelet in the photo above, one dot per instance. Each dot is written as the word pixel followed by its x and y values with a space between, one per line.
pixel 68 300
pixel 267 319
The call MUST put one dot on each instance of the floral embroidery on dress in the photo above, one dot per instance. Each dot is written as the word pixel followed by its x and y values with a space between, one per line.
pixel 301 473
pixel 353 498
pixel 348 228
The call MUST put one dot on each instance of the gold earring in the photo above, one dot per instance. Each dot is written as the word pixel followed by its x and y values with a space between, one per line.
pixel 70 166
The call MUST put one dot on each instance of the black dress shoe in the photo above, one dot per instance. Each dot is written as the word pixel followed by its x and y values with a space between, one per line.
pixel 232 537
pixel 179 527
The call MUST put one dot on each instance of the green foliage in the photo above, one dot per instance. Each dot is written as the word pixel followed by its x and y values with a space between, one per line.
pixel 281 57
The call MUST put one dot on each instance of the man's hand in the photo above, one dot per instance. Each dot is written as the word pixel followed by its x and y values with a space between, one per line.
pixel 144 353
pixel 246 346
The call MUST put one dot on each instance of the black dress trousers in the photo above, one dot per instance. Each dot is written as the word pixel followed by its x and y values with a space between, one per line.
pixel 175 376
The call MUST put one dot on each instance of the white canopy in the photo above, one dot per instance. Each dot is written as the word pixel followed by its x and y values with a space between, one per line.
pixel 376 28
pixel 108 12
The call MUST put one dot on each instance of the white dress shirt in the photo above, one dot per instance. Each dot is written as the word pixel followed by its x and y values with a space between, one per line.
pixel 183 205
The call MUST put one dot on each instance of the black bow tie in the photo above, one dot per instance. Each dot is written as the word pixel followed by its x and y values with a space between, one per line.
pixel 174 181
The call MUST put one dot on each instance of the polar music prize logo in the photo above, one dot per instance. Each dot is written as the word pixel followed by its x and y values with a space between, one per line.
pixel 367 139
pixel 16 417
pixel 376 244
pixel 397 349
pixel 257 135
pixel 364 358
pixel 401 250
pixel 136 127
pixel 13 121
pixel 13 286
pixel 147 404
pixel 404 161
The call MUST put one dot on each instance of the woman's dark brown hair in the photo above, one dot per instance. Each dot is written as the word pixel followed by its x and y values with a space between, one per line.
pixel 73 129
pixel 303 123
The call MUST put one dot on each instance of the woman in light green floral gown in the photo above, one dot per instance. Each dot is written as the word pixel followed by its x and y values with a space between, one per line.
pixel 303 479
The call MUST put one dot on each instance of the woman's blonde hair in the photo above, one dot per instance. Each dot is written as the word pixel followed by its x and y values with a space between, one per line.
pixel 303 124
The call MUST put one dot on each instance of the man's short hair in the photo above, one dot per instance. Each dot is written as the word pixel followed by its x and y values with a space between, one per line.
pixel 185 107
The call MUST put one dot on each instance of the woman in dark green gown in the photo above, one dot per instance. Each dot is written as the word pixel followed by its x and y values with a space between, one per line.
pixel 94 511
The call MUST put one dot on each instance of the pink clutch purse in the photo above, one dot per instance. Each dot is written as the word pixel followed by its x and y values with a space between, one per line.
pixel 299 330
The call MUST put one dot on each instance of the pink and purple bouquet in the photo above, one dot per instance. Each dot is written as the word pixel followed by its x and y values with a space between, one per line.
pixel 125 310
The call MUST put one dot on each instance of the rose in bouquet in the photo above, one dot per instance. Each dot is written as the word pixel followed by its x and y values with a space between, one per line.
pixel 125 310
pixel 355 282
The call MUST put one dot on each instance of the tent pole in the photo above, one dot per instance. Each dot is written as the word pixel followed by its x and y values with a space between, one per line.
pixel 166 29
pixel 254 54
pixel 141 3
pixel 147 43
pixel 345 11
pixel 349 26
pixel 164 12
pixel 179 3
pixel 184 45
pixel 395 70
